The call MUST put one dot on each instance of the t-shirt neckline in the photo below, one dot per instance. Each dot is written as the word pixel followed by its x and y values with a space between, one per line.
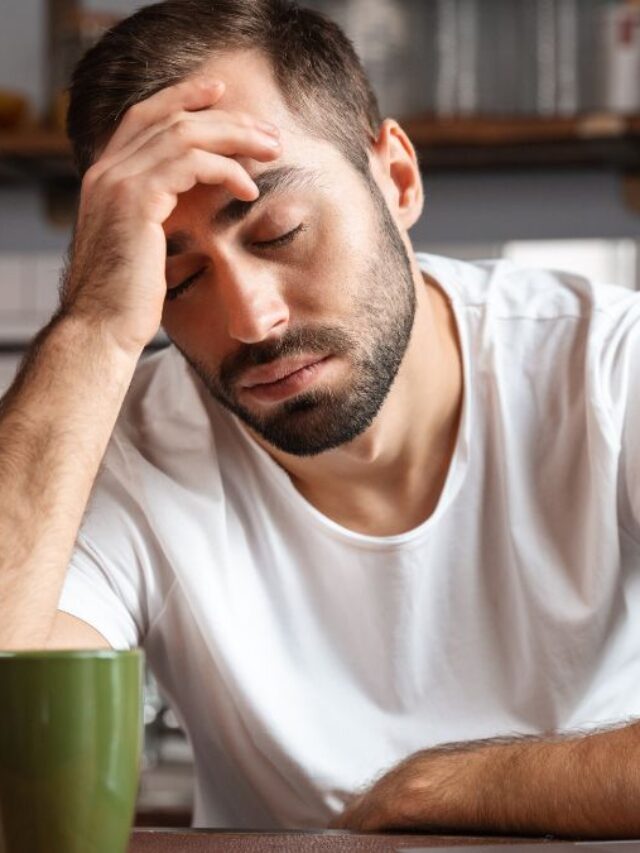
pixel 434 266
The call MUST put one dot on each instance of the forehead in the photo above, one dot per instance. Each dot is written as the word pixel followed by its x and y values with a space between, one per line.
pixel 251 87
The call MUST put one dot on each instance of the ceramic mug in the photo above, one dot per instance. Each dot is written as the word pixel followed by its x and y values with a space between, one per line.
pixel 70 743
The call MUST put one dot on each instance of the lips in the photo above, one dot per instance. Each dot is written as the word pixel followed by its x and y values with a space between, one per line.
pixel 291 378
pixel 275 372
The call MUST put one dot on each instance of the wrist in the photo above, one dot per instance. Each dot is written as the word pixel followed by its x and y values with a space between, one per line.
pixel 99 335
pixel 443 789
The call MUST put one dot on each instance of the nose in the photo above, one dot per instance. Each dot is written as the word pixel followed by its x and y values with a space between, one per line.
pixel 252 302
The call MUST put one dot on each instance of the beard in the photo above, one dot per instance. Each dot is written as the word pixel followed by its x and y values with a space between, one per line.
pixel 375 342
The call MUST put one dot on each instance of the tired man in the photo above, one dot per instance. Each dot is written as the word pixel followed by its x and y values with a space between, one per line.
pixel 374 516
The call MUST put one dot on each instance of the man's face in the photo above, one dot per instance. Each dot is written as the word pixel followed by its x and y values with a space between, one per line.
pixel 301 338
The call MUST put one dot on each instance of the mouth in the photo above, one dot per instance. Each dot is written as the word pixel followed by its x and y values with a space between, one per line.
pixel 275 382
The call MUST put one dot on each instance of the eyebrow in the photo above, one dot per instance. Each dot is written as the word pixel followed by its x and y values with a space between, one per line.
pixel 269 182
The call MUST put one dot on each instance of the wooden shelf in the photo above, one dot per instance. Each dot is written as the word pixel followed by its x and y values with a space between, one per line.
pixel 604 141
pixel 494 130
pixel 35 156
pixel 34 143
pixel 590 141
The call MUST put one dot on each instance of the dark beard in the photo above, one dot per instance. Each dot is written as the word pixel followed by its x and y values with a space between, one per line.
pixel 321 419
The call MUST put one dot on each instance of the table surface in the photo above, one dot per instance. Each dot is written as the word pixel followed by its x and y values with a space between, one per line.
pixel 330 841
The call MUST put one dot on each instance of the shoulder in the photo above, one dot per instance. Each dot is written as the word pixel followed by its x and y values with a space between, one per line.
pixel 172 441
pixel 161 460
pixel 508 291
pixel 557 329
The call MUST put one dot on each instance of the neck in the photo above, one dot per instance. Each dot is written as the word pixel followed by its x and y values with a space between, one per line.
pixel 389 479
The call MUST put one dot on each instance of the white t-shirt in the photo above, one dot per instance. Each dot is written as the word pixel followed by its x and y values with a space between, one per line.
pixel 302 658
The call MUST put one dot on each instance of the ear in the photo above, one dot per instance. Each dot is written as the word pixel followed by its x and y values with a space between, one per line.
pixel 394 165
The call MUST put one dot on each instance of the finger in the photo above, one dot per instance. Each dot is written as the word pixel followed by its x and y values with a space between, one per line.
pixel 203 167
pixel 344 819
pixel 174 147
pixel 218 124
pixel 216 115
pixel 355 812
pixel 157 192
pixel 214 130
pixel 197 93
pixel 227 140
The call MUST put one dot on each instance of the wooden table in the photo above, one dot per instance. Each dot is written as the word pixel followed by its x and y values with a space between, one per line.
pixel 330 841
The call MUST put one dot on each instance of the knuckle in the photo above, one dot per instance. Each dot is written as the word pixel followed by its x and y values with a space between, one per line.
pixel 182 130
pixel 137 109
pixel 91 176
pixel 194 158
pixel 100 186
pixel 134 114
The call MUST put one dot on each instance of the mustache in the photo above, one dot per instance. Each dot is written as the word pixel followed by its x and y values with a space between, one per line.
pixel 320 340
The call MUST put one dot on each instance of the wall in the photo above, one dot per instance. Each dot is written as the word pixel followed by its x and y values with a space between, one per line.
pixel 461 209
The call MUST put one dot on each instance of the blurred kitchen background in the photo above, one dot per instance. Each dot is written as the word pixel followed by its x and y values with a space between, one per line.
pixel 526 118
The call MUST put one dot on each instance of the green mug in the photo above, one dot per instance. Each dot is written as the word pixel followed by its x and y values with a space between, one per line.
pixel 70 744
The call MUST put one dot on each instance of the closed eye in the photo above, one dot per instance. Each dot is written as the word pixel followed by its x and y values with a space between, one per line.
pixel 173 292
pixel 278 242
pixel 283 240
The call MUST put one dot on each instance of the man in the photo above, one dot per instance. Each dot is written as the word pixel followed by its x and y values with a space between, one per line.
pixel 375 516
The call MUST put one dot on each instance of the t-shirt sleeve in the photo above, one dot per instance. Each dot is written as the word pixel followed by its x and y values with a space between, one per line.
pixel 117 576
pixel 96 592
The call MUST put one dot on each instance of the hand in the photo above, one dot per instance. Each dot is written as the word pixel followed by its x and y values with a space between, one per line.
pixel 432 790
pixel 563 784
pixel 163 146
pixel 361 814
pixel 384 806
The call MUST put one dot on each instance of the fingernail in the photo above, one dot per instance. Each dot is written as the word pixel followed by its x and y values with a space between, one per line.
pixel 271 141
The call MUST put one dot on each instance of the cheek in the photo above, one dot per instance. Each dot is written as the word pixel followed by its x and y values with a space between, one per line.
pixel 340 264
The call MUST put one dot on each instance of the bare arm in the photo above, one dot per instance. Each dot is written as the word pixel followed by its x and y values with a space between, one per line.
pixel 575 786
pixel 54 427
pixel 56 420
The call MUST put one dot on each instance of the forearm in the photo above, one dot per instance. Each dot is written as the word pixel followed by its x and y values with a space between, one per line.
pixel 581 786
pixel 55 423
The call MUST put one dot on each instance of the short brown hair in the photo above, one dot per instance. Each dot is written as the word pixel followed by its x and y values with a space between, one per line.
pixel 316 67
